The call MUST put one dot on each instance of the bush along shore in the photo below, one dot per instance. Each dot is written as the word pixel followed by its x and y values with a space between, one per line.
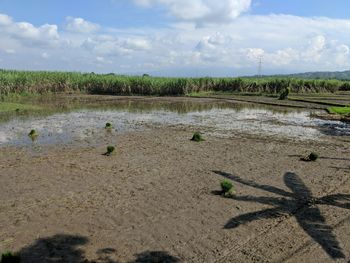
pixel 41 82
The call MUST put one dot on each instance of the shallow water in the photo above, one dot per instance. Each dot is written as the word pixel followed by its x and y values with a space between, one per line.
pixel 212 118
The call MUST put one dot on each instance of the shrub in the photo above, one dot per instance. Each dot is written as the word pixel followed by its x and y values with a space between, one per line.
pixel 8 257
pixel 197 137
pixel 227 188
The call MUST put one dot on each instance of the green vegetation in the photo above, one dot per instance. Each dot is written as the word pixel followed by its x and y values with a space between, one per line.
pixel 9 257
pixel 109 125
pixel 110 150
pixel 343 75
pixel 312 157
pixel 339 110
pixel 197 137
pixel 284 95
pixel 29 82
pixel 33 134
pixel 8 107
pixel 227 188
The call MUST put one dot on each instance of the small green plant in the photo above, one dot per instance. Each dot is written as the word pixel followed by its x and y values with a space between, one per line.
pixel 109 125
pixel 312 157
pixel 110 150
pixel 197 137
pixel 33 134
pixel 284 95
pixel 9 257
pixel 227 188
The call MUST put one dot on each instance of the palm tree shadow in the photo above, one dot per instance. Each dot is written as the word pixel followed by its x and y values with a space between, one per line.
pixel 155 257
pixel 67 249
pixel 299 203
pixel 58 248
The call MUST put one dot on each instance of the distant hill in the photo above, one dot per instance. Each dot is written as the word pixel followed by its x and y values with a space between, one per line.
pixel 341 75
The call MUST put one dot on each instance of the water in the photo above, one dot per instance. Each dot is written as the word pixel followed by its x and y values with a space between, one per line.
pixel 212 118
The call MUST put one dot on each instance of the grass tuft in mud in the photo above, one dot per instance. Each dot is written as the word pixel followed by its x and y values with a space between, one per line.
pixel 312 157
pixel 197 137
pixel 108 125
pixel 110 150
pixel 227 188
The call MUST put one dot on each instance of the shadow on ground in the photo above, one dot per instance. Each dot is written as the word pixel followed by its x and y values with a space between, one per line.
pixel 68 249
pixel 298 203
pixel 322 157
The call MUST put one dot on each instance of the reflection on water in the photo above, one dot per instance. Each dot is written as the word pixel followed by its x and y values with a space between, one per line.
pixel 64 122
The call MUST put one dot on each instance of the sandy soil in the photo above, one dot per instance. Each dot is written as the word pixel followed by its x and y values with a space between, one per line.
pixel 156 200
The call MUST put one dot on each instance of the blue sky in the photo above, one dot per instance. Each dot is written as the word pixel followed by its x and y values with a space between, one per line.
pixel 175 37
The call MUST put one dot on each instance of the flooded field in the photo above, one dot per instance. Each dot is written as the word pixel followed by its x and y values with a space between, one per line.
pixel 65 123
pixel 158 198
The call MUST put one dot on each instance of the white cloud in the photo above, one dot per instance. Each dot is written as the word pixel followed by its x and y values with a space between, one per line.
pixel 80 25
pixel 26 34
pixel 114 46
pixel 5 20
pixel 10 51
pixel 286 43
pixel 137 44
pixel 202 11
pixel 45 55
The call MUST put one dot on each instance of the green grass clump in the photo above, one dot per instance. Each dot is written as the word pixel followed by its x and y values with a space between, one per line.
pixel 339 110
pixel 312 157
pixel 197 137
pixel 33 134
pixel 109 125
pixel 227 188
pixel 110 150
pixel 9 257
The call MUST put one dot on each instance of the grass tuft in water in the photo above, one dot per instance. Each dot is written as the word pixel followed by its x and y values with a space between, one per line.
pixel 108 125
pixel 33 134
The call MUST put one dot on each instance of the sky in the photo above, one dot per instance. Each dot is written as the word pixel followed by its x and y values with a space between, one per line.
pixel 175 37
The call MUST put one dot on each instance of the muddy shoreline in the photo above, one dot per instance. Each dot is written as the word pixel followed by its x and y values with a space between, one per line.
pixel 157 199
pixel 156 194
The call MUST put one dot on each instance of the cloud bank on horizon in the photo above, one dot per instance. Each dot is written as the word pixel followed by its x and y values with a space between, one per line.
pixel 195 38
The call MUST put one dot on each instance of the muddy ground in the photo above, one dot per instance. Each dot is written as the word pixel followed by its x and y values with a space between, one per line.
pixel 157 199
